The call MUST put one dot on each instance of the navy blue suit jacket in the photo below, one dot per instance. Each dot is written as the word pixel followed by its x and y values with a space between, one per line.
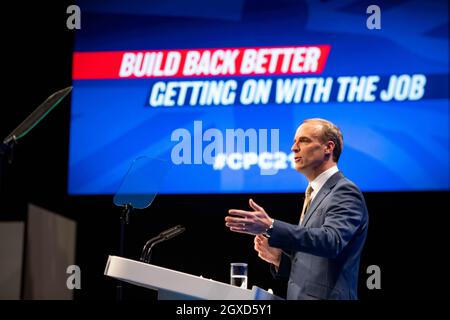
pixel 321 256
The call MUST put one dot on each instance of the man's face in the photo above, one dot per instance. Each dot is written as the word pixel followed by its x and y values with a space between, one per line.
pixel 309 152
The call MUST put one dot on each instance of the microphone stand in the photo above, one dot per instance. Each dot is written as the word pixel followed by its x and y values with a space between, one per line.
pixel 131 196
pixel 149 252
pixel 6 152
pixel 124 220
pixel 8 143
pixel 144 250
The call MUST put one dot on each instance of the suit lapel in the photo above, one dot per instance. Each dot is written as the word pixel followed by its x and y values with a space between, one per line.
pixel 323 192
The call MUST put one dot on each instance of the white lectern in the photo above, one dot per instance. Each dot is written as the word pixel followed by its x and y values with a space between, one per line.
pixel 175 285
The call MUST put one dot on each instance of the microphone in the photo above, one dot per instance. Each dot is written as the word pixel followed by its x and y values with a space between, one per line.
pixel 166 235
pixel 163 236
pixel 172 232
pixel 159 236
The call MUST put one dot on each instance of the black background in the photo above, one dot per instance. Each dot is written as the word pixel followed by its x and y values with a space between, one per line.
pixel 407 236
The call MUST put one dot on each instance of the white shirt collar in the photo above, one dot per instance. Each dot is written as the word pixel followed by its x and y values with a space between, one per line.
pixel 320 180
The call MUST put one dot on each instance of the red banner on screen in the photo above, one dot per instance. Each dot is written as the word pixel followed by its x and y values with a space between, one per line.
pixel 258 61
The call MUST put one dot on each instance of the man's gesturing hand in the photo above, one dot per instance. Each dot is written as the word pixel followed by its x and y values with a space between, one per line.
pixel 266 252
pixel 251 222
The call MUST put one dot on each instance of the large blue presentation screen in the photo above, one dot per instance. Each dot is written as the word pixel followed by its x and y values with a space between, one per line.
pixel 216 90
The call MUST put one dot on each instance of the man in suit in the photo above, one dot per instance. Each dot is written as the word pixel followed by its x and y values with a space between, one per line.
pixel 321 254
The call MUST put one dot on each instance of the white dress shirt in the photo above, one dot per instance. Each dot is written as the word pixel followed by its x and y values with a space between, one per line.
pixel 320 180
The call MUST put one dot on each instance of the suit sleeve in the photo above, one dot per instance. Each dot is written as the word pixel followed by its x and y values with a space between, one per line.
pixel 284 268
pixel 343 217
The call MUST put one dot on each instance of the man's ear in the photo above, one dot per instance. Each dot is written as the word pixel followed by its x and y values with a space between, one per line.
pixel 329 147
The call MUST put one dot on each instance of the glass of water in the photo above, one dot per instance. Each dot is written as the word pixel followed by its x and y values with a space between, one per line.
pixel 238 274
